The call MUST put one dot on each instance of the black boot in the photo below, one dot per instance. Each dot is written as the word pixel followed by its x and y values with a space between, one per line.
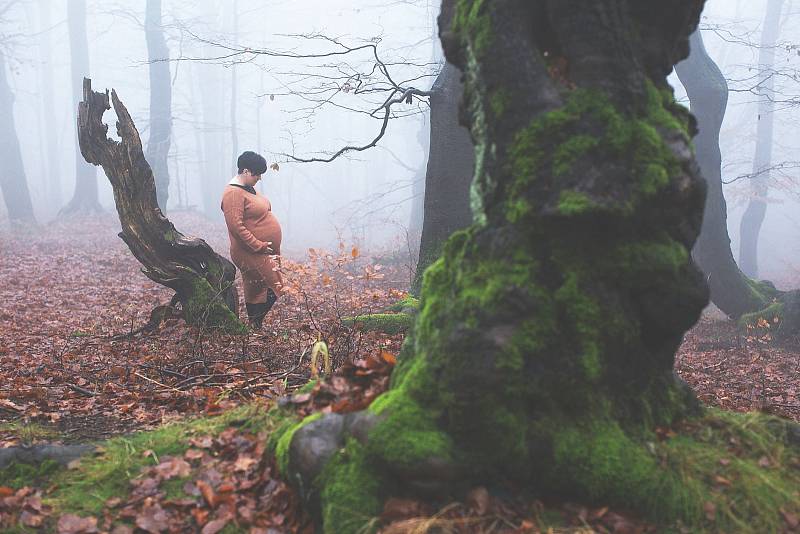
pixel 255 314
pixel 271 299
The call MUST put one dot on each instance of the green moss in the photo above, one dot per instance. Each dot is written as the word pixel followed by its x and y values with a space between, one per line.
pixel 408 435
pixel 351 492
pixel 170 236
pixel 762 290
pixel 605 461
pixel 573 202
pixel 500 101
pixel 735 462
pixel 206 308
pixel 663 111
pixel 587 127
pixel 772 315
pixel 472 22
pixel 173 488
pixel 407 302
pixel 583 313
pixel 28 432
pixel 108 474
pixel 309 386
pixel 388 323
pixel 285 441
pixel 643 261
pixel 19 475
pixel 570 150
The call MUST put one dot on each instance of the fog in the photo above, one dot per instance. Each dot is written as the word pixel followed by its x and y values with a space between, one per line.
pixel 224 102
pixel 732 33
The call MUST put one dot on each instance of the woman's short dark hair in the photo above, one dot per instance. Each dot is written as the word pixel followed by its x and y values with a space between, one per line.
pixel 251 161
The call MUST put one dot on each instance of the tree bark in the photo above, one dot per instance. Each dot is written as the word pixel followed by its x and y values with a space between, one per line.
pixel 13 183
pixel 84 198
pixel 732 291
pixel 449 172
pixel 202 279
pixel 753 216
pixel 160 101
pixel 416 215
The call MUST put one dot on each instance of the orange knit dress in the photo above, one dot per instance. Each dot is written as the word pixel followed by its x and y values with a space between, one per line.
pixel 251 227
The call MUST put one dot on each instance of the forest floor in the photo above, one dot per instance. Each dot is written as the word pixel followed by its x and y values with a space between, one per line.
pixel 72 371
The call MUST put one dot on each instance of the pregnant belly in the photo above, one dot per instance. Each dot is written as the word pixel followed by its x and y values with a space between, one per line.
pixel 269 230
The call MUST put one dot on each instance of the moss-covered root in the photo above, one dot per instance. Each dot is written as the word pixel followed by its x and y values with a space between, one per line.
pixel 388 323
pixel 780 317
pixel 721 473
pixel 408 304
pixel 203 306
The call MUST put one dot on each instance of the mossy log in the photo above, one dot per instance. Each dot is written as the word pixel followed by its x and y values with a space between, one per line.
pixel 542 355
pixel 202 279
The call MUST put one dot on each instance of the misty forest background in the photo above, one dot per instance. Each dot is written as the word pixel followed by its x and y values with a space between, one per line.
pixel 356 111
pixel 225 100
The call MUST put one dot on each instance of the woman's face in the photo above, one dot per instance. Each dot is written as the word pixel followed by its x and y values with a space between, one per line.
pixel 248 178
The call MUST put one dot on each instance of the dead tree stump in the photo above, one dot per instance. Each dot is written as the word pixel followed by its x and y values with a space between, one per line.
pixel 202 279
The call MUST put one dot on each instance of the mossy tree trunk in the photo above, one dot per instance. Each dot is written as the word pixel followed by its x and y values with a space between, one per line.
pixel 542 356
pixel 201 278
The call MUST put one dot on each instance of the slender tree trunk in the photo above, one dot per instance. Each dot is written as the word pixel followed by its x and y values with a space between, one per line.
pixel 160 101
pixel 52 179
pixel 753 216
pixel 84 198
pixel 449 172
pixel 234 90
pixel 732 291
pixel 13 182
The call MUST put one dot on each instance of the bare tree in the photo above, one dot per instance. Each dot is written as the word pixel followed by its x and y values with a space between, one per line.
pixel 52 177
pixel 13 182
pixel 84 198
pixel 753 217
pixel 731 290
pixel 160 101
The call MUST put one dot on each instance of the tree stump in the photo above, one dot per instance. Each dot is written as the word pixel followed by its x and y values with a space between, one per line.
pixel 202 279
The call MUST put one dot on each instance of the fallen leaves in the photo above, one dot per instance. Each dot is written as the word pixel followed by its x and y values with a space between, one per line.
pixel 72 295
pixel 733 371
pixel 73 524
pixel 24 506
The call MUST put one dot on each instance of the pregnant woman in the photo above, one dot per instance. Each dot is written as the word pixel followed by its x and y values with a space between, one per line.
pixel 255 235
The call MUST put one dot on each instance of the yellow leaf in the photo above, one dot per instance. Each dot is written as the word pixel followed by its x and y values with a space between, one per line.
pixel 320 347
pixel 354 252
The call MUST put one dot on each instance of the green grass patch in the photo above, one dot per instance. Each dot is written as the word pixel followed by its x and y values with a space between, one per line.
pixel 85 489
pixel 28 433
